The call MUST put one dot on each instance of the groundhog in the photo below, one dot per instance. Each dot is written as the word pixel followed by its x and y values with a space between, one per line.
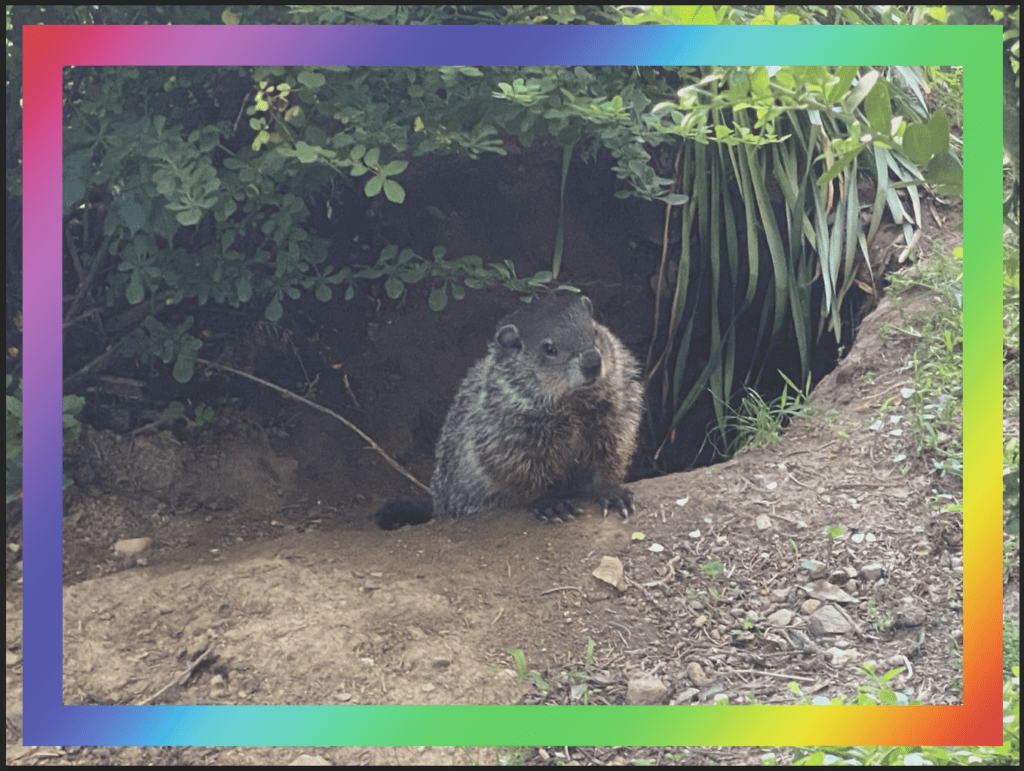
pixel 547 419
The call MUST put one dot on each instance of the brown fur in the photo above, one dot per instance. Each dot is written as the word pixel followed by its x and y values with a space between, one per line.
pixel 548 418
pixel 528 427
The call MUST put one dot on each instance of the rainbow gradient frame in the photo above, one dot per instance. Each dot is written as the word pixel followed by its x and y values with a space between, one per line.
pixel 47 49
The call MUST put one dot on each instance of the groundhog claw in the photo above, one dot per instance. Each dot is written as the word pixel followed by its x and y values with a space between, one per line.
pixel 620 501
pixel 554 510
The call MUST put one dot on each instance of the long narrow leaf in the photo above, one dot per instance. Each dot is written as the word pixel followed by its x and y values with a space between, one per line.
pixel 852 230
pixel 775 247
pixel 695 389
pixel 882 180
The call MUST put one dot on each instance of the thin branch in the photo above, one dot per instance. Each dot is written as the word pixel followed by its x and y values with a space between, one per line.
pixel 183 677
pixel 289 394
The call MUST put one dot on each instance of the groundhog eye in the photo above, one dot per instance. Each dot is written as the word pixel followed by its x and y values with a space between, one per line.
pixel 550 350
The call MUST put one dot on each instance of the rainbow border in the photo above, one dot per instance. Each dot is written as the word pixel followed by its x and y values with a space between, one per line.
pixel 48 722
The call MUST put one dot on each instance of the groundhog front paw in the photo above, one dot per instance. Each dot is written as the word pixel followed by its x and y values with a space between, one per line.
pixel 619 500
pixel 554 509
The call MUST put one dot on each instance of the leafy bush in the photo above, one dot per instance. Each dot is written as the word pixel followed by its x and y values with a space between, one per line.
pixel 197 183
pixel 72 428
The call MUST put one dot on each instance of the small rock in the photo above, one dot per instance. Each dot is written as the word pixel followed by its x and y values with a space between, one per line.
pixel 219 687
pixel 686 696
pixel 910 614
pixel 309 760
pixel 781 617
pixel 818 569
pixel 840 658
pixel 871 572
pixel 131 547
pixel 828 620
pixel 611 572
pixel 808 606
pixel 697 676
pixel 842 575
pixel 646 689
pixel 779 595
pixel 826 592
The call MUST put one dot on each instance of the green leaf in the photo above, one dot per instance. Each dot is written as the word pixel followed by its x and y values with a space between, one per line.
pixel 394 191
pixel 305 153
pixel 311 79
pixel 938 131
pixel 184 366
pixel 865 85
pixel 845 76
pixel 759 84
pixel 204 413
pixel 395 167
pixel 73 404
pixel 244 289
pixel 274 311
pixel 916 141
pixel 323 293
pixel 438 298
pixel 373 186
pixel 879 109
pixel 189 217
pixel 135 292
pixel 946 172
pixel 394 287
pixel 77 171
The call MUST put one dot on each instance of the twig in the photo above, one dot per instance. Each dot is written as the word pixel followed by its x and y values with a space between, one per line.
pixel 241 109
pixel 184 676
pixel 93 365
pixel 291 395
pixel 84 282
pixel 74 257
pixel 781 675
pixel 884 391
pixel 560 589
pixel 806 487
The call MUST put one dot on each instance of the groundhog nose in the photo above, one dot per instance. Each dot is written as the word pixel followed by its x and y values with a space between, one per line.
pixel 590 365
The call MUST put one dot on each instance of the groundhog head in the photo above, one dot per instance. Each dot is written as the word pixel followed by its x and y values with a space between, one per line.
pixel 553 342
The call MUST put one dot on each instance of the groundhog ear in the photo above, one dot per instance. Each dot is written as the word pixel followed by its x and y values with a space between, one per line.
pixel 508 337
pixel 587 304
